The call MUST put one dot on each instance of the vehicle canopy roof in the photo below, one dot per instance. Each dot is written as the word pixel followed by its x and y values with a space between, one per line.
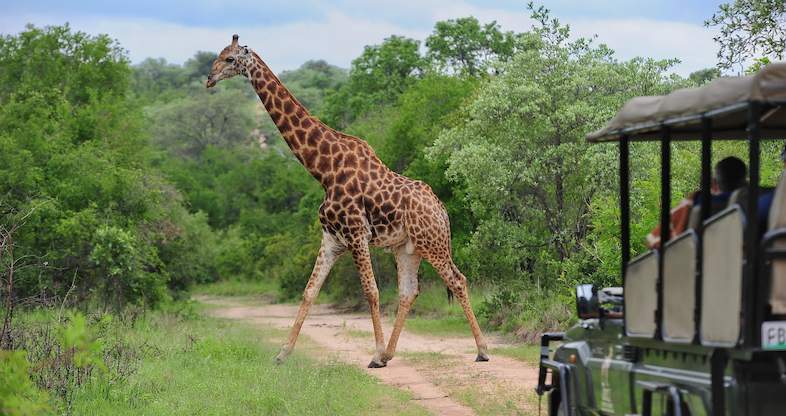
pixel 724 101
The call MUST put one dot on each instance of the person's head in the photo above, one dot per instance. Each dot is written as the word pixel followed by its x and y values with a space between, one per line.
pixel 730 174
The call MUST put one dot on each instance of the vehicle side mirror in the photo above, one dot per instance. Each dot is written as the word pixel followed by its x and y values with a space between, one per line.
pixel 587 302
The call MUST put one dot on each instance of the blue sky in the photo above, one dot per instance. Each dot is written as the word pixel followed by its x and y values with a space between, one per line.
pixel 286 33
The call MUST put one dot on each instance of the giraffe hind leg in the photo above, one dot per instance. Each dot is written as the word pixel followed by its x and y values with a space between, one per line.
pixel 457 283
pixel 407 264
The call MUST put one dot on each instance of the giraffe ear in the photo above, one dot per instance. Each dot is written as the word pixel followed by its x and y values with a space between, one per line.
pixel 234 40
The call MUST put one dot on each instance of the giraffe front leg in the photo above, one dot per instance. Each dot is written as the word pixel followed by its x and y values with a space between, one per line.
pixel 407 265
pixel 362 259
pixel 329 251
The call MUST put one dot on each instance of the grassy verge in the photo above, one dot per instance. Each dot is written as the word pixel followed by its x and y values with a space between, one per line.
pixel 199 365
pixel 208 366
pixel 432 314
pixel 528 353
pixel 235 287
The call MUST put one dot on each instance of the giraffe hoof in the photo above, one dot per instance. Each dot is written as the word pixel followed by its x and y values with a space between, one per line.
pixel 482 357
pixel 282 356
pixel 374 364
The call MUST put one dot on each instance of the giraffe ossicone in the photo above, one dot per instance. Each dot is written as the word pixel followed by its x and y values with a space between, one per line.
pixel 366 204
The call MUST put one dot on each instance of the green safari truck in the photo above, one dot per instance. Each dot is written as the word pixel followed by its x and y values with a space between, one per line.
pixel 699 324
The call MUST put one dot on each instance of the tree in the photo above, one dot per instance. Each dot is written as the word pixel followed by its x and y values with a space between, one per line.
pixel 749 29
pixel 519 148
pixel 75 146
pixel 156 79
pixel 81 66
pixel 312 81
pixel 464 46
pixel 187 126
pixel 704 76
pixel 198 66
pixel 377 77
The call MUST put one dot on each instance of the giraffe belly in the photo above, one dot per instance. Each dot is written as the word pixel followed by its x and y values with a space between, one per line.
pixel 389 237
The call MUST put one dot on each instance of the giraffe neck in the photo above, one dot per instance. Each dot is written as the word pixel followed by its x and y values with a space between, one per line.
pixel 304 134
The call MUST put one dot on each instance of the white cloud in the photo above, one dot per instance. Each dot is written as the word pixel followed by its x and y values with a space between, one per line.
pixel 339 37
pixel 629 38
pixel 691 43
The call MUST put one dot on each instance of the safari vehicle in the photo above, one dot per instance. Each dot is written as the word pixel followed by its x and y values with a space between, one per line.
pixel 699 325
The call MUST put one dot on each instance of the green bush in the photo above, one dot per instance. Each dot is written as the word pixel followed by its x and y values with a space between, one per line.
pixel 18 394
pixel 76 164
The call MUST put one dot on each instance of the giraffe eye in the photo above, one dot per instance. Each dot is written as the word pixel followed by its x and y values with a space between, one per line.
pixel 230 59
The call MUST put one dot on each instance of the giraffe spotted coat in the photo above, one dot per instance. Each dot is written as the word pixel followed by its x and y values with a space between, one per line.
pixel 366 204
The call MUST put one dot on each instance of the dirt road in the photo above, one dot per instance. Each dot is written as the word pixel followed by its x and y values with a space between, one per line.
pixel 440 372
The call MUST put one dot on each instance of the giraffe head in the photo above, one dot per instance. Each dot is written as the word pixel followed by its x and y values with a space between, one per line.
pixel 230 62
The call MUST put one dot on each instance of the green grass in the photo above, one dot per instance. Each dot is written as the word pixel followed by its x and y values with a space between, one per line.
pixel 212 367
pixel 449 326
pixel 432 301
pixel 357 333
pixel 235 287
pixel 528 353
pixel 495 402
pixel 432 314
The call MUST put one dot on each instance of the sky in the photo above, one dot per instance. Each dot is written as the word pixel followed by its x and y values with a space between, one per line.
pixel 288 33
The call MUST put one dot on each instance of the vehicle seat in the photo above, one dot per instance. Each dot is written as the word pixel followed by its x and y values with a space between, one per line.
pixel 641 295
pixel 695 212
pixel 722 262
pixel 679 288
pixel 777 219
pixel 740 197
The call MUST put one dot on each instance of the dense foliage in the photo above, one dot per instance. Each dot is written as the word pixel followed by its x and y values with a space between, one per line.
pixel 75 169
pixel 127 184
pixel 749 30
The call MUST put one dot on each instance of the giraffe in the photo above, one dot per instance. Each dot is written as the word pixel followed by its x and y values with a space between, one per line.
pixel 366 204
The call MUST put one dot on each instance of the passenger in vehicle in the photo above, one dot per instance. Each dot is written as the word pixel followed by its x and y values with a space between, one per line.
pixel 765 200
pixel 730 174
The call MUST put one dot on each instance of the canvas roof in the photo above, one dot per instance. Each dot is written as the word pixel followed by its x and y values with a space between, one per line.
pixel 724 100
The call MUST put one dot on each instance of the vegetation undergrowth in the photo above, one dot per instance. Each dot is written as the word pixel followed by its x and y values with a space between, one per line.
pixel 527 352
pixel 176 362
pixel 267 289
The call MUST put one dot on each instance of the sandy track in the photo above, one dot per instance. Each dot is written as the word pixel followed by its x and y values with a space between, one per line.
pixel 328 328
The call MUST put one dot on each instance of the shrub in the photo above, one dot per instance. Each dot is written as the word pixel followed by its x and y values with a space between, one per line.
pixel 18 394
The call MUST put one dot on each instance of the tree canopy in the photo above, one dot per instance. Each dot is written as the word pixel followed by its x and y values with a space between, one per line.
pixel 464 46
pixel 749 29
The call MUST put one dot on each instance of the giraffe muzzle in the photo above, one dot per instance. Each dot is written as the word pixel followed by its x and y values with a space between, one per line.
pixel 210 82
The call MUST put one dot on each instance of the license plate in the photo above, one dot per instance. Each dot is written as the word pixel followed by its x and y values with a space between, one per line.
pixel 773 335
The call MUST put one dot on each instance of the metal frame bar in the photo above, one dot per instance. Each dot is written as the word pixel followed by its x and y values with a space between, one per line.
pixel 706 207
pixel 718 361
pixel 755 300
pixel 624 171
pixel 624 204
pixel 545 341
pixel 665 220
pixel 566 387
